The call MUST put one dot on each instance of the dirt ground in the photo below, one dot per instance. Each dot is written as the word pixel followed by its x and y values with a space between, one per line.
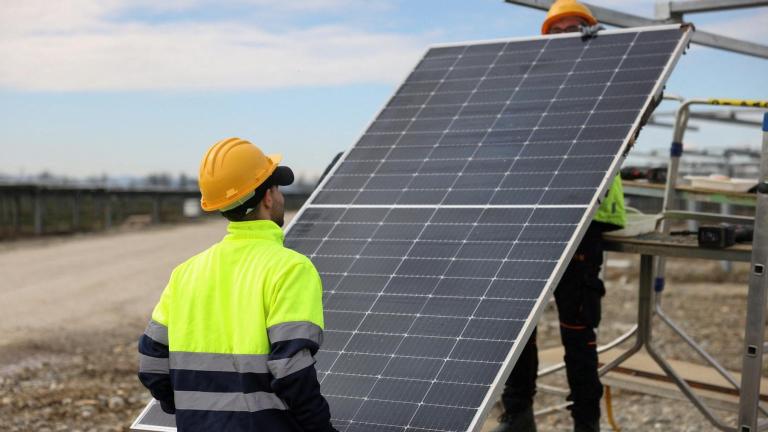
pixel 72 309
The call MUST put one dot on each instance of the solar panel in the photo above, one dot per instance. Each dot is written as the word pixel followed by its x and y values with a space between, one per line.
pixel 442 232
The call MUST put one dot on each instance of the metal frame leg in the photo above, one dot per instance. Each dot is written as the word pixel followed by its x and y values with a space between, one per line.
pixel 645 339
pixel 754 335
pixel 644 314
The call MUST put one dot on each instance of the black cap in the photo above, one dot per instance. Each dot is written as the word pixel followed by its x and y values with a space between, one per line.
pixel 282 176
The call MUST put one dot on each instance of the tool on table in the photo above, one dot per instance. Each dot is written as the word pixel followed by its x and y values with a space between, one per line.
pixel 724 235
pixel 653 175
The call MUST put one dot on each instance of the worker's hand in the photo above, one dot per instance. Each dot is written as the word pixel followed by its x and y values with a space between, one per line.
pixel 168 407
pixel 590 31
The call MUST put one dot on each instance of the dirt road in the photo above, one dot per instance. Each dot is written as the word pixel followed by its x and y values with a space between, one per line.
pixel 92 282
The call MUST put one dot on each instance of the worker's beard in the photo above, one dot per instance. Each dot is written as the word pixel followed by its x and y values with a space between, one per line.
pixel 278 215
pixel 279 220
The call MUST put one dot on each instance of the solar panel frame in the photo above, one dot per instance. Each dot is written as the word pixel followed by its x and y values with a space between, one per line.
pixel 514 353
pixel 497 384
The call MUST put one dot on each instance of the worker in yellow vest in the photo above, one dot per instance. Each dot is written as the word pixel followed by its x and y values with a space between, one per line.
pixel 578 295
pixel 231 343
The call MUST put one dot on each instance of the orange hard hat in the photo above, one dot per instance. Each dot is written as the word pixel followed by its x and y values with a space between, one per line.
pixel 230 171
pixel 567 8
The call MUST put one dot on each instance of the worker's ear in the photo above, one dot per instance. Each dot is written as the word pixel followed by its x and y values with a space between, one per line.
pixel 268 199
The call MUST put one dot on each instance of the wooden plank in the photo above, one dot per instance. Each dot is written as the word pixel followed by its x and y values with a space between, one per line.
pixel 641 374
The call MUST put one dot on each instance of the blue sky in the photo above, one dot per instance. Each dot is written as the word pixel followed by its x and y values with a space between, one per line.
pixel 135 87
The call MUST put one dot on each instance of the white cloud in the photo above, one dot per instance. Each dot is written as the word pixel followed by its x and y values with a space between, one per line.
pixel 75 46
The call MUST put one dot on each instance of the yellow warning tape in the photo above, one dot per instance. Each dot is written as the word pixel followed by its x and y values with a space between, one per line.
pixel 740 102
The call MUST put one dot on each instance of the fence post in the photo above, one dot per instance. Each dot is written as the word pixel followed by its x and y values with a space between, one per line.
pixel 38 211
pixel 107 210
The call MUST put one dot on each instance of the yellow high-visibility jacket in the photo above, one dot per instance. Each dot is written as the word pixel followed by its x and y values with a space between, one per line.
pixel 611 210
pixel 231 342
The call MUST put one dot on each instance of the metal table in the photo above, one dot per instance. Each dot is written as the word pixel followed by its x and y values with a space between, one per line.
pixel 653 245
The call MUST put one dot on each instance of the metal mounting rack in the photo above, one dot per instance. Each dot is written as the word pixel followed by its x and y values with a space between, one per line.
pixel 672 12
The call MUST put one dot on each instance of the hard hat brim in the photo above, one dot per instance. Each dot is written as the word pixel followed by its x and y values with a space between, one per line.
pixel 275 158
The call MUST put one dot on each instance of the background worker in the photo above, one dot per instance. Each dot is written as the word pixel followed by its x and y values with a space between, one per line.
pixel 231 343
pixel 578 295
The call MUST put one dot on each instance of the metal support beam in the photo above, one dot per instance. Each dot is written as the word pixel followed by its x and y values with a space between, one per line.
pixel 621 19
pixel 752 363
pixel 694 6
pixel 730 44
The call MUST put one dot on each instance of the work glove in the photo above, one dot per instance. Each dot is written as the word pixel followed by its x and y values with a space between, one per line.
pixel 168 407
pixel 590 31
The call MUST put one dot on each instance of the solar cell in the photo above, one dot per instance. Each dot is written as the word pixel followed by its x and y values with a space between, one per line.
pixel 439 235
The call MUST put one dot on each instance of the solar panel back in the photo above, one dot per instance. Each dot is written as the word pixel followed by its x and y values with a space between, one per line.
pixel 442 232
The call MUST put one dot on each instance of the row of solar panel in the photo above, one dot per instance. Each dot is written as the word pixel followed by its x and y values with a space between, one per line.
pixel 643 55
pixel 414 391
pixel 446 286
pixel 362 239
pixel 515 107
pixel 361 235
pixel 494 181
pixel 379 415
pixel 541 149
pixel 432 215
pixel 486 159
pixel 422 327
pixel 554 44
pixel 500 137
pixel 571 196
pixel 392 305
pixel 528 121
pixel 482 183
pixel 631 88
pixel 573 81
pixel 495 137
pixel 477 75
pixel 434 267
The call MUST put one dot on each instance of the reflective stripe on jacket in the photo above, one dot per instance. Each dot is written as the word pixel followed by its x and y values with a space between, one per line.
pixel 231 342
pixel 611 210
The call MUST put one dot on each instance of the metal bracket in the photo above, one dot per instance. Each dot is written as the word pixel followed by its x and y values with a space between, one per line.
pixel 673 12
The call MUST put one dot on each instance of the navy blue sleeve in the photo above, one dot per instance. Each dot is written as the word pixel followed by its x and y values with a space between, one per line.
pixel 154 371
pixel 295 381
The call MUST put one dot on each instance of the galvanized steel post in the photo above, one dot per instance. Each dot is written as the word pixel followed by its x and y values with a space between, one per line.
pixel 754 334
